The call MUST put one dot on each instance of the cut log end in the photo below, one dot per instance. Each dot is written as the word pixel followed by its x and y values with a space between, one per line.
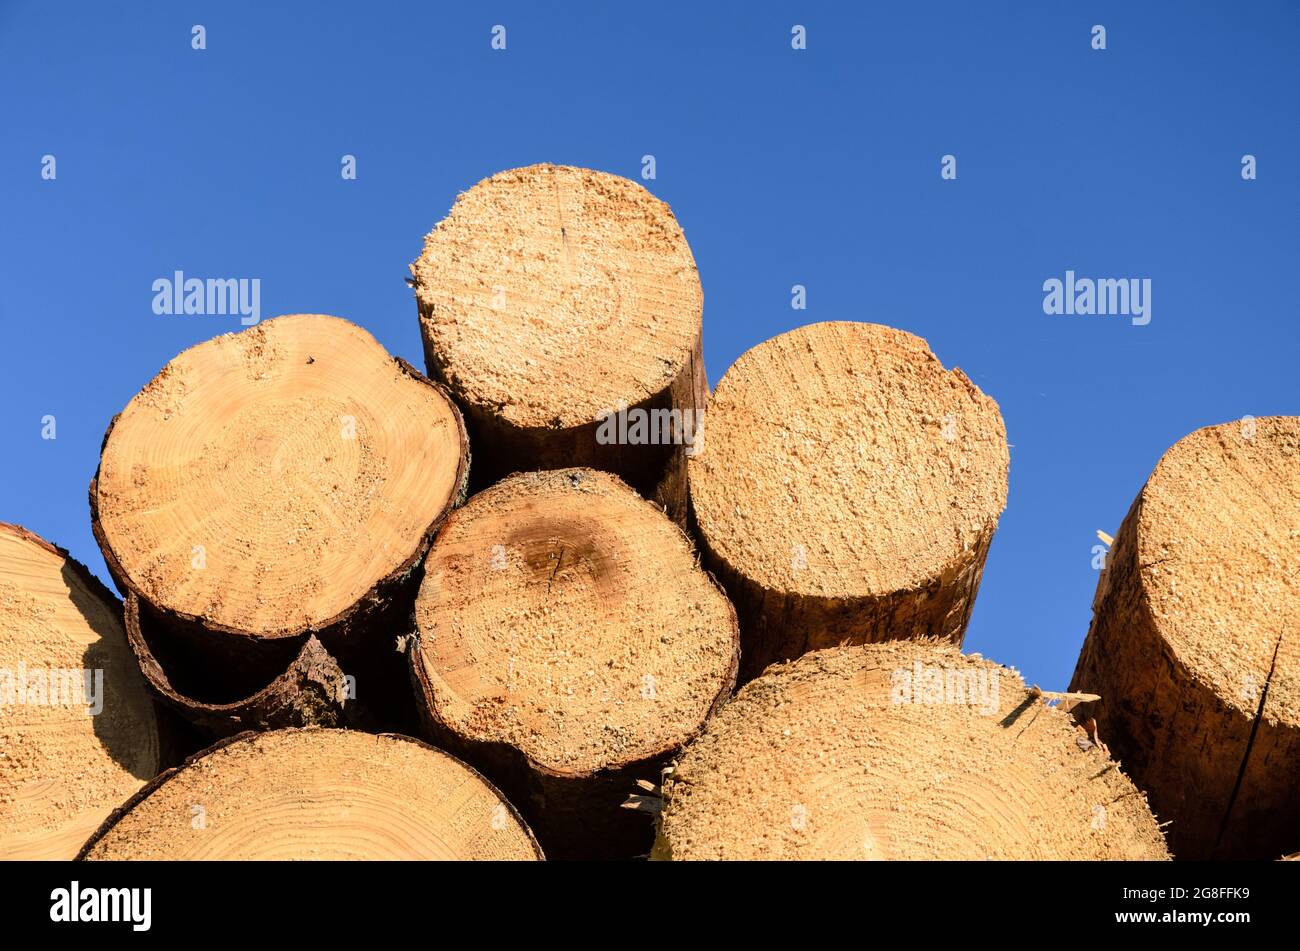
pixel 265 483
pixel 1194 645
pixel 553 299
pixel 906 750
pixel 71 748
pixel 317 794
pixel 550 294
pixel 829 443
pixel 565 630
pixel 847 489
pixel 564 615
pixel 1218 545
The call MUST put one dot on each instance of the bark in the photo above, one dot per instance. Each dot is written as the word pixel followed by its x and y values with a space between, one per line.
pixel 310 691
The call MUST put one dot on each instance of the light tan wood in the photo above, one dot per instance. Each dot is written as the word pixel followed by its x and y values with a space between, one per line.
pixel 1194 646
pixel 567 643
pixel 62 770
pixel 297 462
pixel 549 296
pixel 847 490
pixel 904 750
pixel 318 794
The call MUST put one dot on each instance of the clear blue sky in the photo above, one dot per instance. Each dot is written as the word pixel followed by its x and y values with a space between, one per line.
pixel 819 167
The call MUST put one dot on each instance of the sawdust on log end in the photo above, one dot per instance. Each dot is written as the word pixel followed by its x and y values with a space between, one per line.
pixel 1194 646
pixel 316 794
pixel 568 642
pixel 550 296
pixel 267 495
pixel 902 750
pixel 847 490
pixel 270 486
pixel 62 769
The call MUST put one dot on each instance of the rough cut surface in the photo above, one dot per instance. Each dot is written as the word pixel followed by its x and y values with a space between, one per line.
pixel 820 758
pixel 317 794
pixel 566 632
pixel 600 298
pixel 549 296
pixel 1194 646
pixel 266 482
pixel 847 490
pixel 63 771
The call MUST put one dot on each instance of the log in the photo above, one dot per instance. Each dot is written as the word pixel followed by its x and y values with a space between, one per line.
pixel 312 689
pixel 553 298
pixel 319 794
pixel 269 488
pixel 847 491
pixel 1194 646
pixel 900 750
pixel 68 755
pixel 567 643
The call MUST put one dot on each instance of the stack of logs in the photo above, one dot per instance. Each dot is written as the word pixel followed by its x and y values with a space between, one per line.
pixel 539 560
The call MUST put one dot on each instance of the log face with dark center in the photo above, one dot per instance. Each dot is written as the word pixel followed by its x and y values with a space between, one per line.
pixel 905 750
pixel 316 794
pixel 62 769
pixel 847 490
pixel 567 643
pixel 550 296
pixel 270 485
pixel 1194 646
